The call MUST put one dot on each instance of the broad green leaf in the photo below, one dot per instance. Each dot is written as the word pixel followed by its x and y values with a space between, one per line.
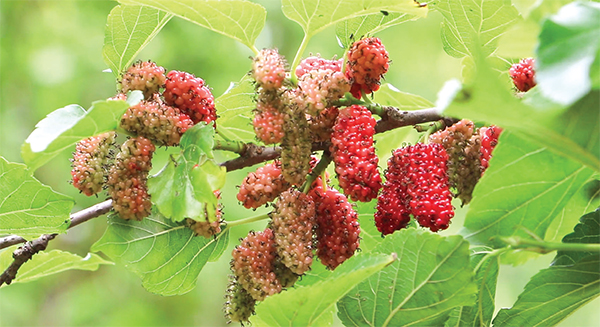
pixel 534 184
pixel 519 40
pixel 370 236
pixel 389 95
pixel 314 15
pixel 234 109
pixel 164 254
pixel 587 231
pixel 49 263
pixel 482 312
pixel 29 208
pixel 240 20
pixel 354 29
pixel 431 277
pixel 128 30
pixel 469 25
pixel 553 294
pixel 66 126
pixel 310 305
pixel 185 187
pixel 567 49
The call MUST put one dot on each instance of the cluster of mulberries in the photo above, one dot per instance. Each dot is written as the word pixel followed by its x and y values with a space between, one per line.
pixel 262 186
pixel 354 154
pixel 90 161
pixel 189 94
pixel 523 74
pixel 367 62
pixel 145 76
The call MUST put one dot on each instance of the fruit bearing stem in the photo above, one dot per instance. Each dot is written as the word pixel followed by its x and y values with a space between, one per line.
pixel 238 147
pixel 247 220
pixel 321 166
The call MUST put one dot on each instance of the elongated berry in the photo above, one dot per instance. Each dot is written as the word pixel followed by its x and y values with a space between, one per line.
pixel 489 140
pixel 268 124
pixel 393 212
pixel 262 186
pixel 239 304
pixel 367 62
pixel 296 147
pixel 89 163
pixel 190 95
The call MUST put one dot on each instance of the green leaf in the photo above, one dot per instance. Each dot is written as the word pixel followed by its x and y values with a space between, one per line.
pixel 568 46
pixel 66 126
pixel 389 95
pixel 238 19
pixel 553 294
pixel 29 208
pixel 185 187
pixel 164 254
pixel 128 30
pixel 355 28
pixel 310 305
pixel 587 231
pixel 314 15
pixel 431 276
pixel 534 184
pixel 49 263
pixel 469 25
pixel 486 276
pixel 234 109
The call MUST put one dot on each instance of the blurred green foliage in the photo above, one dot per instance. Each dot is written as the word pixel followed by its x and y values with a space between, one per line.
pixel 50 56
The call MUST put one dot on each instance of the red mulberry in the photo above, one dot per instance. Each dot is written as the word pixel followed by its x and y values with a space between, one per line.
pixel 262 186
pixel 268 69
pixel 354 154
pixel 89 162
pixel 268 124
pixel 318 63
pixel 392 205
pixel 189 94
pixel 292 224
pixel 252 263
pixel 523 74
pixel 145 76
pixel 489 140
pixel 367 62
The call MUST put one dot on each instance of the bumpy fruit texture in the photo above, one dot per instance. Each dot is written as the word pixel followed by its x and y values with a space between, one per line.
pixel 337 227
pixel 127 179
pixel 145 76
pixel 156 121
pixel 295 146
pixel 252 263
pixel 206 228
pixel 393 212
pixel 489 140
pixel 89 162
pixel 189 94
pixel 318 89
pixel 292 223
pixel 463 164
pixel 427 185
pixel 262 186
pixel 367 62
pixel 317 63
pixel 268 69
pixel 354 154
pixel 321 125
pixel 239 304
pixel 268 124
pixel 285 275
pixel 523 74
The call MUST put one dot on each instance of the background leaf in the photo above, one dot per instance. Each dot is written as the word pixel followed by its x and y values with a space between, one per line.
pixel 431 276
pixel 587 231
pixel 568 46
pixel 234 109
pixel 49 263
pixel 355 28
pixel 310 305
pixel 66 126
pixel 128 30
pixel 469 25
pixel 238 19
pixel 315 15
pixel 27 207
pixel 185 187
pixel 164 254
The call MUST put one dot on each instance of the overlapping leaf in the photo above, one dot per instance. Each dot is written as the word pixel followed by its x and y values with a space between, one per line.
pixel 128 30
pixel 164 254
pixel 27 207
pixel 353 29
pixel 587 231
pixel 238 19
pixel 315 15
pixel 234 109
pixel 66 126
pixel 49 263
pixel 431 277
pixel 185 187
pixel 472 24
pixel 312 305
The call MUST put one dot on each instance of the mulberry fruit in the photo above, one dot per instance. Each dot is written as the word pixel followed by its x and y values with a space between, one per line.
pixel 337 230
pixel 318 89
pixel 89 162
pixel 268 69
pixel 321 125
pixel 156 121
pixel 285 275
pixel 145 76
pixel 262 186
pixel 489 140
pixel 367 62
pixel 190 95
pixel 268 124
pixel 392 211
pixel 354 154
pixel 239 304
pixel 252 263
pixel 523 74
pixel 296 147
pixel 292 223
pixel 317 63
